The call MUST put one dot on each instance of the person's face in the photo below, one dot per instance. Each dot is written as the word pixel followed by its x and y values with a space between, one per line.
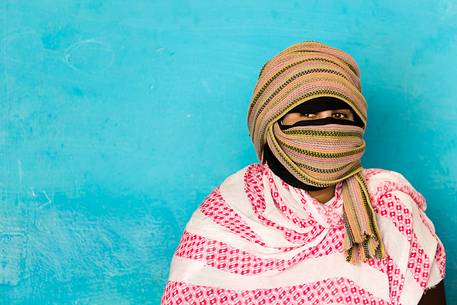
pixel 293 117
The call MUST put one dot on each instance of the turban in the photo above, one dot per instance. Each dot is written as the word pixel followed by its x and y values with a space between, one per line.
pixel 319 155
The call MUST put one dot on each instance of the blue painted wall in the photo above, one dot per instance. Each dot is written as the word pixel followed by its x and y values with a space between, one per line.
pixel 117 118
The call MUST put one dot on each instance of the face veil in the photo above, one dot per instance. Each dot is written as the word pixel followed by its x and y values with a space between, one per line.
pixel 311 106
pixel 318 153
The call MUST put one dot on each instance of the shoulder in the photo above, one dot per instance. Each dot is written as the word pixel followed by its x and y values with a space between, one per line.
pixel 251 173
pixel 407 232
pixel 378 176
pixel 234 187
pixel 382 182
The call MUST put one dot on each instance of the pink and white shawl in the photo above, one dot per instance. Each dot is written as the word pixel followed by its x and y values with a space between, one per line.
pixel 257 240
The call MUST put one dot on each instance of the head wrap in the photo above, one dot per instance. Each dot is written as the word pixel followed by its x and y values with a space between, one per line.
pixel 318 155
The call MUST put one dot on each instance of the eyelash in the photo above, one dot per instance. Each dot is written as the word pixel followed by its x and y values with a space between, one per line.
pixel 344 115
pixel 307 114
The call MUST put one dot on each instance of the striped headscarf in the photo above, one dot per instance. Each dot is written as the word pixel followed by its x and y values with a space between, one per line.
pixel 318 155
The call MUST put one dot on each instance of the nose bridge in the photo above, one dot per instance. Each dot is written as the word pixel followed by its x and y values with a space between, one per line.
pixel 325 113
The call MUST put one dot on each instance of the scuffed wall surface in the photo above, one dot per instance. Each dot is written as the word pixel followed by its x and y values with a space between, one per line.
pixel 117 118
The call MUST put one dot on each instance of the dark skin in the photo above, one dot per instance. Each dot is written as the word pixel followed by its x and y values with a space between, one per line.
pixel 432 296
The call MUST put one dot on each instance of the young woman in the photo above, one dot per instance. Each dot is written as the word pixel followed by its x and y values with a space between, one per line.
pixel 308 224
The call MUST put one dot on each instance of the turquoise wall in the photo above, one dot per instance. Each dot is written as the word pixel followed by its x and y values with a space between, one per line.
pixel 119 117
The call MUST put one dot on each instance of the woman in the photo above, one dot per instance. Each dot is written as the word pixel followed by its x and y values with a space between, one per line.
pixel 308 224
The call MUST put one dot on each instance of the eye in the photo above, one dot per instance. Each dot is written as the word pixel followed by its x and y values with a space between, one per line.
pixel 343 114
pixel 340 115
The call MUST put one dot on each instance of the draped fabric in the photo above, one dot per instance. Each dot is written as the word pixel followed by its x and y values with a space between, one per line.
pixel 257 240
pixel 321 155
